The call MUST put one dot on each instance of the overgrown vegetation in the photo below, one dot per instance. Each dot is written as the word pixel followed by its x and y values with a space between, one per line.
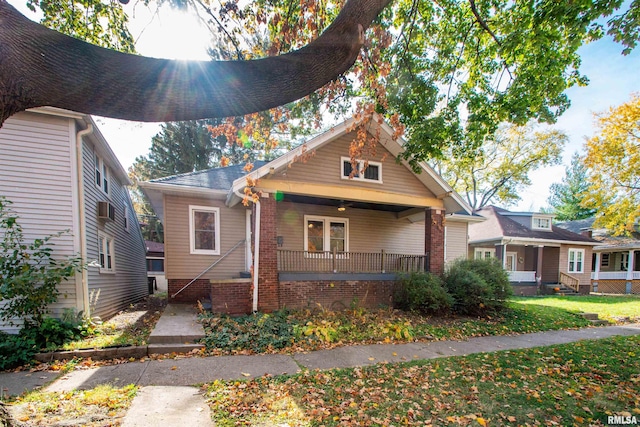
pixel 422 293
pixel 572 384
pixel 307 330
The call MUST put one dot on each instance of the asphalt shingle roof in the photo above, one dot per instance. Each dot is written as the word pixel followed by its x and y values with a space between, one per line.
pixel 215 178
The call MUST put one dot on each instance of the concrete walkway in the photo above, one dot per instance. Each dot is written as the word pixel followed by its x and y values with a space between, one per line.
pixel 153 406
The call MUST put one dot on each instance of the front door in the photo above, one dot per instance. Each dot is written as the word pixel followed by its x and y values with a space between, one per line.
pixel 511 261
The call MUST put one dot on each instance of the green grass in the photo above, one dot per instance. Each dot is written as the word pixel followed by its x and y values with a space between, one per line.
pixel 305 331
pixel 608 307
pixel 573 384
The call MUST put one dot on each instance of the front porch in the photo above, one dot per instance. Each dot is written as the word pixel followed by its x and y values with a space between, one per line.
pixel 615 272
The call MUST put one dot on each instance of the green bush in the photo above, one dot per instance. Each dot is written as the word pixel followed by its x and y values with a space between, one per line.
pixel 15 350
pixel 258 332
pixel 422 293
pixel 477 286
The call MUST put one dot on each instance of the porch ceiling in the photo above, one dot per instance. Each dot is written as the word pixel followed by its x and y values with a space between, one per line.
pixel 310 200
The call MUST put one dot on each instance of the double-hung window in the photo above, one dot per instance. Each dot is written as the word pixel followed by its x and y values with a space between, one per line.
pixel 101 174
pixel 326 234
pixel 106 253
pixel 576 261
pixel 541 223
pixel 484 253
pixel 204 230
pixel 365 170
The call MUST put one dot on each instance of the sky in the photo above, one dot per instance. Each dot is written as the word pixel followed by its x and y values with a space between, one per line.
pixel 174 35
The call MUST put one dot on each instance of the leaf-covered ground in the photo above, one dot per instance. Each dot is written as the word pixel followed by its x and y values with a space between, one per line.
pixel 306 331
pixel 609 307
pixel 573 384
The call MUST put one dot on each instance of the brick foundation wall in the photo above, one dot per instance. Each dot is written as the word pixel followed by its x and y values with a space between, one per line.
pixel 526 290
pixel 231 298
pixel 434 239
pixel 336 295
pixel 268 289
pixel 197 291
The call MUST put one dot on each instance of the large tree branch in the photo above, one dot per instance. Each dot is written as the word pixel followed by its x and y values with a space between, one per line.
pixel 40 67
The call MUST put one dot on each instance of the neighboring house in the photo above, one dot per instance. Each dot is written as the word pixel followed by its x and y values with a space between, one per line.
pixel 60 174
pixel 616 259
pixel 155 265
pixel 316 236
pixel 533 250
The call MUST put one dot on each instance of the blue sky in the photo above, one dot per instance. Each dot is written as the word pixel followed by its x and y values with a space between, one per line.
pixel 168 34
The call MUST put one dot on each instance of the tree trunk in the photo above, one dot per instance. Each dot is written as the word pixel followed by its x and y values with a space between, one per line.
pixel 5 417
pixel 41 67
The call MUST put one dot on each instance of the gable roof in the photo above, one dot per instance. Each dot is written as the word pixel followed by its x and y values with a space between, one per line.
pixel 214 178
pixel 377 126
pixel 499 226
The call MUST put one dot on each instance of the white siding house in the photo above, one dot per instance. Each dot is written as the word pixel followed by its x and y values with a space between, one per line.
pixel 48 170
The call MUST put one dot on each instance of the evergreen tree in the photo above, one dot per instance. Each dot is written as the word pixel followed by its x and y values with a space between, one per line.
pixel 566 197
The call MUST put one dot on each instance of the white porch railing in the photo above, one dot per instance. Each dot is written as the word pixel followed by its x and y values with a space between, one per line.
pixel 522 276
pixel 615 275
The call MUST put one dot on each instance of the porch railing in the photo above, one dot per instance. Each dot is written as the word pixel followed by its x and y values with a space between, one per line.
pixel 570 281
pixel 522 276
pixel 349 262
pixel 615 275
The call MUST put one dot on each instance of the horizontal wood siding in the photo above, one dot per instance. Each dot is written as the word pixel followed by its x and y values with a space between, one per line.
pixel 550 264
pixel 456 240
pixel 585 277
pixel 325 167
pixel 129 282
pixel 369 230
pixel 180 263
pixel 36 175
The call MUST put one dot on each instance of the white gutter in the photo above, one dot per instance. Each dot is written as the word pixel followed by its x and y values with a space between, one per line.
pixel 81 211
pixel 256 257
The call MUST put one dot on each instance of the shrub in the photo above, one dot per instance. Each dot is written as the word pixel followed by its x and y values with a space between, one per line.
pixel 422 293
pixel 477 286
pixel 29 275
pixel 15 350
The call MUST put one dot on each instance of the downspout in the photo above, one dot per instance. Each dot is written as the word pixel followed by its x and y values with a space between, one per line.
pixel 81 211
pixel 256 257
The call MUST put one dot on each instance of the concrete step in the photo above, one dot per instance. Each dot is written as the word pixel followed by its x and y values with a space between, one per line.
pixel 173 348
pixel 177 325
pixel 590 316
pixel 598 322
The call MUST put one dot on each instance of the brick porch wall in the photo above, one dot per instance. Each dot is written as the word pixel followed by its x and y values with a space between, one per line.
pixel 197 291
pixel 231 298
pixel 434 239
pixel 268 289
pixel 336 295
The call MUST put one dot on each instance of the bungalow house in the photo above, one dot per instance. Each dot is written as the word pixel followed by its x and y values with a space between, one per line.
pixel 318 235
pixel 533 250
pixel 60 174
pixel 616 259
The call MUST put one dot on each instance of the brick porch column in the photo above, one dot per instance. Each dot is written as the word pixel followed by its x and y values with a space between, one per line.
pixel 434 239
pixel 268 285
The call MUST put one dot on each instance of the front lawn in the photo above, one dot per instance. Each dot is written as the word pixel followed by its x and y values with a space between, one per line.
pixel 573 384
pixel 609 307
pixel 304 330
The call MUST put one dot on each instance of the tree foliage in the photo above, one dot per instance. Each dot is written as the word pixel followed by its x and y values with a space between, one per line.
pixel 497 171
pixel 613 158
pixel 566 197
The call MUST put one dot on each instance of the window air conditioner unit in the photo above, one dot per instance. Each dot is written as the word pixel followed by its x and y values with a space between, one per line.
pixel 106 210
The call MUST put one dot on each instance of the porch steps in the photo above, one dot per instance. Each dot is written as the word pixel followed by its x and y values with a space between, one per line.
pixel 177 330
pixel 563 290
pixel 594 319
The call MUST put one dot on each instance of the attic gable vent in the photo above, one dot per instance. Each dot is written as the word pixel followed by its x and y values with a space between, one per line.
pixel 106 210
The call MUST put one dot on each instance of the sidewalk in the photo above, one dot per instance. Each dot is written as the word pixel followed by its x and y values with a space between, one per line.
pixel 180 373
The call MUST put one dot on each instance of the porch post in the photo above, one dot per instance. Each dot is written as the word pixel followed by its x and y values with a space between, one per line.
pixel 596 272
pixel 539 266
pixel 500 254
pixel 434 239
pixel 268 284
pixel 630 270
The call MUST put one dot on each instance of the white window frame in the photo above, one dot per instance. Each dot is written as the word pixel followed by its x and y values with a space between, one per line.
pixel 192 235
pixel 326 238
pixel 106 247
pixel 535 221
pixel 483 252
pixel 101 170
pixel 126 219
pixel 361 164
pixel 575 261
pixel 624 261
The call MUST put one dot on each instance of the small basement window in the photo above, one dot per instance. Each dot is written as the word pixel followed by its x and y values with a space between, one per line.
pixel 366 170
